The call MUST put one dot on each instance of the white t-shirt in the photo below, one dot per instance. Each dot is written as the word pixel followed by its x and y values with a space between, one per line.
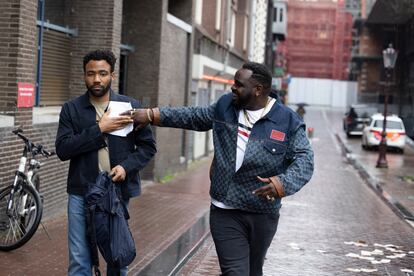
pixel 247 118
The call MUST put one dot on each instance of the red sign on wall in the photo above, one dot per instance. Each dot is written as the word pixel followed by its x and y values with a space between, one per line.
pixel 25 95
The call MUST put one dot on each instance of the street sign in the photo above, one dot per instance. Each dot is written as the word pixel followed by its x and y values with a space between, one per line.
pixel 25 95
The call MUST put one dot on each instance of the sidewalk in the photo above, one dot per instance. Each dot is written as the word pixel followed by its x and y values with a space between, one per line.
pixel 395 184
pixel 167 221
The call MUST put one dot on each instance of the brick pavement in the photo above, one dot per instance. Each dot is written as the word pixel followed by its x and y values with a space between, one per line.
pixel 335 207
pixel 158 217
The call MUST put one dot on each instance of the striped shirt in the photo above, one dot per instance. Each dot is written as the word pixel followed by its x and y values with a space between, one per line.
pixel 247 118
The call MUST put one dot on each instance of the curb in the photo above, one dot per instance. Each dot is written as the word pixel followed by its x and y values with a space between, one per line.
pixel 410 142
pixel 189 255
pixel 170 260
pixel 374 183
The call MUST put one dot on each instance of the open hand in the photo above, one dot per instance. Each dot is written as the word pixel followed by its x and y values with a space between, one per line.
pixel 109 124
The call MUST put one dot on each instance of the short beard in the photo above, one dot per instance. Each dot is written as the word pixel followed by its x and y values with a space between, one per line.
pixel 241 103
pixel 102 92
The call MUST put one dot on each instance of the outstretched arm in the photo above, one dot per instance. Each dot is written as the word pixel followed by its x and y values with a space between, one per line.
pixel 193 118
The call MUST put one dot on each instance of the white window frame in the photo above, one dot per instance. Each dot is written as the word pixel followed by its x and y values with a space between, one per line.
pixel 245 30
pixel 198 18
pixel 218 15
pixel 232 28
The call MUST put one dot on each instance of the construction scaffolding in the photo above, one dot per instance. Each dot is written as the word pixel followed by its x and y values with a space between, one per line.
pixel 319 39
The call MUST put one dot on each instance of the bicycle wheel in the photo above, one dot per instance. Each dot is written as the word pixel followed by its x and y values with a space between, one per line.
pixel 17 227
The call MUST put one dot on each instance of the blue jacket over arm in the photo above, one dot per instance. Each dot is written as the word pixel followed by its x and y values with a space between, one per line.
pixel 277 146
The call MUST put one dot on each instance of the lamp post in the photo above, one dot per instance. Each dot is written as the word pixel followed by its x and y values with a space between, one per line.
pixel 390 57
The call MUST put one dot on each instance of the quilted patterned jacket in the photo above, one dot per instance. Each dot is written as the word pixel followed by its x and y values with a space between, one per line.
pixel 277 146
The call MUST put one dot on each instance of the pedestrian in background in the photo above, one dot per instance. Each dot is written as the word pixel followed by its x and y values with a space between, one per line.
pixel 261 154
pixel 301 110
pixel 83 138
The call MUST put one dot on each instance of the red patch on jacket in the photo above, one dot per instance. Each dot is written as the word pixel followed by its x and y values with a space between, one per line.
pixel 277 135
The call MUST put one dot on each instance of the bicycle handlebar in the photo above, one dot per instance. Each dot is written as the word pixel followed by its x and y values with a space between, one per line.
pixel 35 149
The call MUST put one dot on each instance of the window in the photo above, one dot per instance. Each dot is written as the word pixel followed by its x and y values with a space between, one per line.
pixel 274 14
pixel 52 80
pixel 181 9
pixel 281 15
pixel 390 124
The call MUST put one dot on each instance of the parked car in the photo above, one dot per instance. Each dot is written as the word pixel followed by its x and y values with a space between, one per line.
pixel 395 131
pixel 357 118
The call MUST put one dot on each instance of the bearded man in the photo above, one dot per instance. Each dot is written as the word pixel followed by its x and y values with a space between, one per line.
pixel 261 154
pixel 84 138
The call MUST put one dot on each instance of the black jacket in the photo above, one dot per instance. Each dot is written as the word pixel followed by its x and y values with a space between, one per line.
pixel 79 139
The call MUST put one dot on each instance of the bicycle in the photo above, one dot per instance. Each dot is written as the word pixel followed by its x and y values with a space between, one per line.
pixel 21 206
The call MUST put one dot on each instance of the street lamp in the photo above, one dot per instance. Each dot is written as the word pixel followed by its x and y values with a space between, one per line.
pixel 390 57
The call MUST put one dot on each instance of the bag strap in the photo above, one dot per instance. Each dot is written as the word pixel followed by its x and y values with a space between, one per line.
pixel 91 234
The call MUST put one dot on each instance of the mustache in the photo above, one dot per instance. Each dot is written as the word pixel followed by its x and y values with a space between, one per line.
pixel 96 86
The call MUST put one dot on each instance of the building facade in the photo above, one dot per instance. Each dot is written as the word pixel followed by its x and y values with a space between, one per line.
pixel 391 22
pixel 169 53
pixel 319 39
pixel 42 46
pixel 221 46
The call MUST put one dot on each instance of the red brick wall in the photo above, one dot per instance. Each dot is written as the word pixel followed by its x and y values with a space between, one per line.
pixel 99 27
pixel 18 58
pixel 17 49
pixel 18 23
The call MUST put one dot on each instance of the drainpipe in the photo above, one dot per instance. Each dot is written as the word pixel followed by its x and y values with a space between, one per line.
pixel 41 5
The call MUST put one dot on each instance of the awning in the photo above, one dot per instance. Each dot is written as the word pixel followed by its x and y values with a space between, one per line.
pixel 391 12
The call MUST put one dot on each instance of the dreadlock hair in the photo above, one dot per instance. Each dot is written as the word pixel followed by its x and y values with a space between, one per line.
pixel 106 55
pixel 260 73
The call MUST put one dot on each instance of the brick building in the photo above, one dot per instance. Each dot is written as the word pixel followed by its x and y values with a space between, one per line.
pixel 392 22
pixel 42 45
pixel 365 66
pixel 319 39
pixel 221 45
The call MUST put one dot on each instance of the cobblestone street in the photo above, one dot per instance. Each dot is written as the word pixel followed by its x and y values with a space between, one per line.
pixel 318 223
